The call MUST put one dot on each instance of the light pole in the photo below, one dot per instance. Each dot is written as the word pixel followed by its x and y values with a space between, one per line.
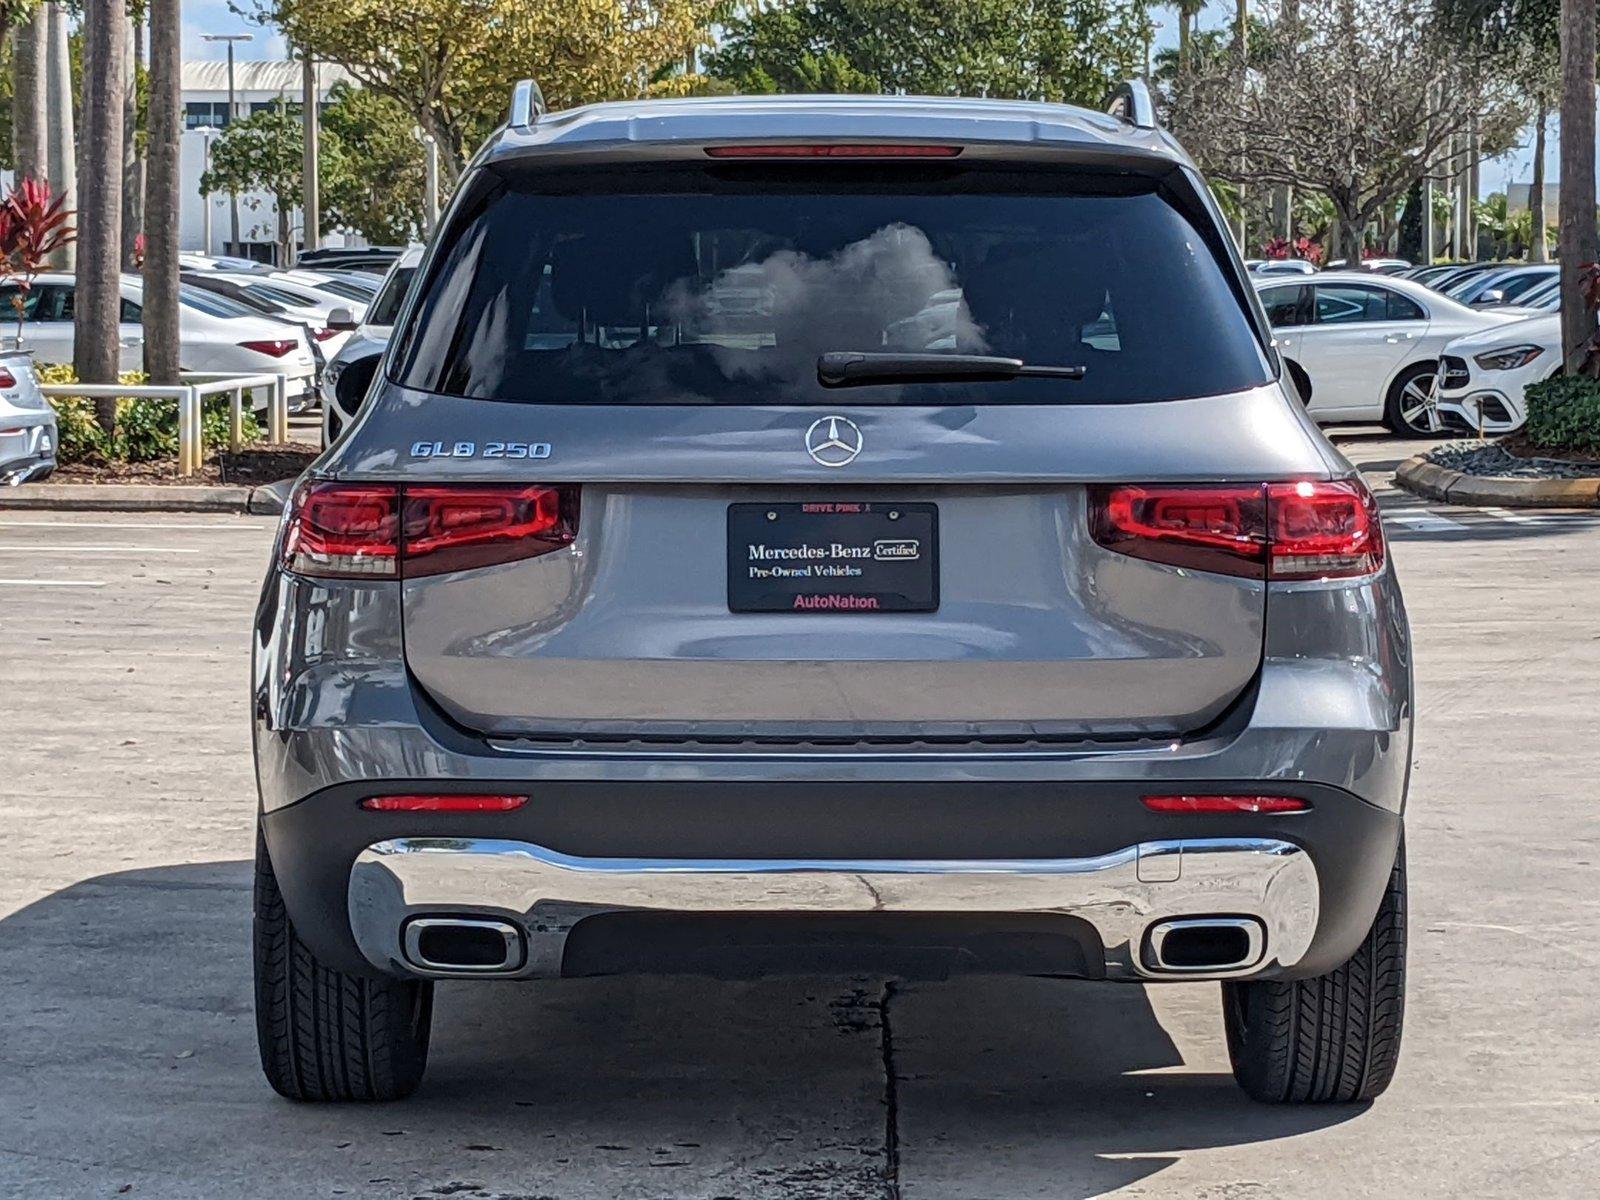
pixel 233 197
pixel 206 132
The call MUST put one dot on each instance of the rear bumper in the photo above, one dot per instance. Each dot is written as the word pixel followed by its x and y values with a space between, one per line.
pixel 947 864
pixel 1128 897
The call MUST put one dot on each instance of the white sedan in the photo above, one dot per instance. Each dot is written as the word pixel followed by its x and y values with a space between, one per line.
pixel 1365 347
pixel 216 335
pixel 1483 376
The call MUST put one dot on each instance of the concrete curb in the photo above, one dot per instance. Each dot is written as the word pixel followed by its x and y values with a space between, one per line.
pixel 1433 482
pixel 267 500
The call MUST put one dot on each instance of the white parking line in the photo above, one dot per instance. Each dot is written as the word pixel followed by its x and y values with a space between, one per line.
pixel 52 583
pixel 126 525
pixel 1505 514
pixel 1422 518
pixel 87 549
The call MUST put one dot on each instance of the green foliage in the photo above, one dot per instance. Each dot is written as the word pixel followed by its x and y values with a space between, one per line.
pixel 1061 50
pixel 147 429
pixel 1564 414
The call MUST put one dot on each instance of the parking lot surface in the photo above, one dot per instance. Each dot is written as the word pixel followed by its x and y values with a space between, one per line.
pixel 127 1052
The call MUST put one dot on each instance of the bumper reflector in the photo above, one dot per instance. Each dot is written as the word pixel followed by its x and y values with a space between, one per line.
pixel 1225 804
pixel 458 803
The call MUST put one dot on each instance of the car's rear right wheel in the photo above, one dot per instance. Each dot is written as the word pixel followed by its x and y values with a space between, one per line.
pixel 325 1034
pixel 1334 1038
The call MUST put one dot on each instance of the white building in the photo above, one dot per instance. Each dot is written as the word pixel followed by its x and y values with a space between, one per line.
pixel 257 86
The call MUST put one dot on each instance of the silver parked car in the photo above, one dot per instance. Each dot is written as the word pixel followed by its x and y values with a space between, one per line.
pixel 28 436
pixel 633 629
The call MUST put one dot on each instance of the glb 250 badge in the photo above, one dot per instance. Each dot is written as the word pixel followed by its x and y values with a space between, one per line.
pixel 476 450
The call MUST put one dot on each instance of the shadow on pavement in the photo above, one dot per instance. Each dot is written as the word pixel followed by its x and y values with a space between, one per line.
pixel 129 1058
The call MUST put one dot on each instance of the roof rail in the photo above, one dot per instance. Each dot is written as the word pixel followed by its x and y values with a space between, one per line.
pixel 1131 101
pixel 527 103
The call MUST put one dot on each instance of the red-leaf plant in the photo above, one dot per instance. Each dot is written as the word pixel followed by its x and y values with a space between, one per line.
pixel 34 224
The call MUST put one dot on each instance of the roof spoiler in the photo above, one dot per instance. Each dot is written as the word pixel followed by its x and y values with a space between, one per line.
pixel 527 104
pixel 1130 101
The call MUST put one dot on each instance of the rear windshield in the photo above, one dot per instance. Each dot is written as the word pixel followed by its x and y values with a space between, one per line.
pixel 722 284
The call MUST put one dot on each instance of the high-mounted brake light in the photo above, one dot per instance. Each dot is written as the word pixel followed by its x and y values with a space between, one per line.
pixel 1225 804
pixel 1308 529
pixel 363 531
pixel 834 150
pixel 445 803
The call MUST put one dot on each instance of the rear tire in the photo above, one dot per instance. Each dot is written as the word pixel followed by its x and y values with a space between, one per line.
pixel 325 1034
pixel 1331 1039
pixel 1410 409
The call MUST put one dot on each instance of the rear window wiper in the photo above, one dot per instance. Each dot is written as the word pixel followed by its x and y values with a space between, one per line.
pixel 855 368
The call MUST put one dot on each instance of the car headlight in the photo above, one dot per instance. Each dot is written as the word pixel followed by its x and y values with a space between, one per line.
pixel 1509 358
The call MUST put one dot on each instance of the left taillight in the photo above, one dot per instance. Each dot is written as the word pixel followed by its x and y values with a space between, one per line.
pixel 1306 529
pixel 365 531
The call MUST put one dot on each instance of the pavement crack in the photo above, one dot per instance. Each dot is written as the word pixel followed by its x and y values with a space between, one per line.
pixel 891 1095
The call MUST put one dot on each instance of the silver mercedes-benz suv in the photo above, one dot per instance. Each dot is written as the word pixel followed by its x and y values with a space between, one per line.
pixel 791 533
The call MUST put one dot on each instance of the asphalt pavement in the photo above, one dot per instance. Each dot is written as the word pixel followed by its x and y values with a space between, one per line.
pixel 127 1054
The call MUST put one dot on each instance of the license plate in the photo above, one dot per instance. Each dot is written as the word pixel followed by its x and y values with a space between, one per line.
pixel 833 556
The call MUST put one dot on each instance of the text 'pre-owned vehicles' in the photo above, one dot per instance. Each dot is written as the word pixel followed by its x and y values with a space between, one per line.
pixel 794 532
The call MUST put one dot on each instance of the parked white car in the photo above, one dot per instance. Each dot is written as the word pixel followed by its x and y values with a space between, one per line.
pixel 299 301
pixel 1483 376
pixel 1366 347
pixel 348 374
pixel 28 435
pixel 216 334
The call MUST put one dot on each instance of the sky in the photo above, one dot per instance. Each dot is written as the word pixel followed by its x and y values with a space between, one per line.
pixel 216 16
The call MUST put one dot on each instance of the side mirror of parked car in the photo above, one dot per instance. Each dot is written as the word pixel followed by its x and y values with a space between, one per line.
pixel 1492 296
pixel 342 320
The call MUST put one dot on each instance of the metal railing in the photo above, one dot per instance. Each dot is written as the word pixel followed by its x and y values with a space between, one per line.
pixel 191 449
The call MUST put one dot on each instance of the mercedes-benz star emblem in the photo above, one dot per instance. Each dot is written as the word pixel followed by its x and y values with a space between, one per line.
pixel 833 441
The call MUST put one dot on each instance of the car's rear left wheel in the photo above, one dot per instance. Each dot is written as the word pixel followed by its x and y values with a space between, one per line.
pixel 325 1034
pixel 1334 1038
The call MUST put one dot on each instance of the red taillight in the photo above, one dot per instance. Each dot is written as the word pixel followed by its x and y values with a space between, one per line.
pixel 1225 804
pixel 1323 529
pixel 274 349
pixel 323 335
pixel 834 150
pixel 7 379
pixel 458 528
pixel 443 803
pixel 1309 529
pixel 342 530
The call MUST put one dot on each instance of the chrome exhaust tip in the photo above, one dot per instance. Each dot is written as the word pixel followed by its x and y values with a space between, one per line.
pixel 1205 945
pixel 463 946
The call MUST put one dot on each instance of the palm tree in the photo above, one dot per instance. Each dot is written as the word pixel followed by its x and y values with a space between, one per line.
pixel 30 151
pixel 132 161
pixel 162 195
pixel 1187 11
pixel 98 300
pixel 1578 241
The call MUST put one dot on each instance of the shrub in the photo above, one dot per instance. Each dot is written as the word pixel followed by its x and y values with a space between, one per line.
pixel 147 429
pixel 1564 413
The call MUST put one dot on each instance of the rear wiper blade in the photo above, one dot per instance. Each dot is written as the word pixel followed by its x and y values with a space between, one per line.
pixel 854 368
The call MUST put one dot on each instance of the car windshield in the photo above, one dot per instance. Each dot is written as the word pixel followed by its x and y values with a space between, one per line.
pixel 212 303
pixel 723 284
pixel 386 307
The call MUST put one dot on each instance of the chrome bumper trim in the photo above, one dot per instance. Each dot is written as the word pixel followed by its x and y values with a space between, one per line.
pixel 1122 894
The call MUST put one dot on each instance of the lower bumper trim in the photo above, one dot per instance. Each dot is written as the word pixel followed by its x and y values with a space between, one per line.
pixel 1123 895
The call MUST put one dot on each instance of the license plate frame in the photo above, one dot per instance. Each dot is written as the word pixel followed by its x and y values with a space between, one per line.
pixel 833 556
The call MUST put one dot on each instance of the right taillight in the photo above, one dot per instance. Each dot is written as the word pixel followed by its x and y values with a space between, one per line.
pixel 365 531
pixel 1307 529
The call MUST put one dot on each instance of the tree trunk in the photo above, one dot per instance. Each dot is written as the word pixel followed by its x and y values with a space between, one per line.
pixel 1241 29
pixel 30 149
pixel 1184 23
pixel 1577 245
pixel 163 192
pixel 1538 243
pixel 60 136
pixel 132 162
pixel 98 300
pixel 285 235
